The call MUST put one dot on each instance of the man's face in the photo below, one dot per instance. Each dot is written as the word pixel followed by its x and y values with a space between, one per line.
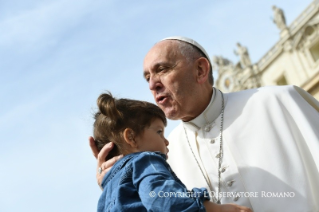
pixel 172 80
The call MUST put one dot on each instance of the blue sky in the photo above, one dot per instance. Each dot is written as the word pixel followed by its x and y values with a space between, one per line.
pixel 58 56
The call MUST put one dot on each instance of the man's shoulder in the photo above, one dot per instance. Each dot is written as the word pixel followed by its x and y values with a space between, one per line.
pixel 263 92
pixel 176 131
pixel 277 89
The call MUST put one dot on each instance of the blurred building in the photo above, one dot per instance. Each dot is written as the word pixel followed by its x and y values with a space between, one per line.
pixel 293 60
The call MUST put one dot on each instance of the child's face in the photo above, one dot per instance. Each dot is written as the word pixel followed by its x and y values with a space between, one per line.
pixel 152 139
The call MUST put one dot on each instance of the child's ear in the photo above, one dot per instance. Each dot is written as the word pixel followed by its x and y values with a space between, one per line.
pixel 129 137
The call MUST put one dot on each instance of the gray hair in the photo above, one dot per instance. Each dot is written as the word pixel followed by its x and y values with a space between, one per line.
pixel 191 53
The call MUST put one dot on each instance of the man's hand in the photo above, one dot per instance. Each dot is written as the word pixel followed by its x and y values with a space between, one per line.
pixel 100 156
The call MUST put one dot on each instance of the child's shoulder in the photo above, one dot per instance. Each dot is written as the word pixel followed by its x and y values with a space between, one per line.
pixel 148 155
pixel 150 164
pixel 150 160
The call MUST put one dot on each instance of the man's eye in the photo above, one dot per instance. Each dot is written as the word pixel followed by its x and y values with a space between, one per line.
pixel 147 78
pixel 162 68
pixel 160 132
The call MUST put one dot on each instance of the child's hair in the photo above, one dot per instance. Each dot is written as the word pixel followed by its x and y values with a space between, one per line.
pixel 115 115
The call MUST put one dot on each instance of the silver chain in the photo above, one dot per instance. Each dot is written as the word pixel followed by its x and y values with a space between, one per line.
pixel 217 200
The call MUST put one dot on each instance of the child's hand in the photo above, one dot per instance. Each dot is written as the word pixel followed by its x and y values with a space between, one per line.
pixel 213 207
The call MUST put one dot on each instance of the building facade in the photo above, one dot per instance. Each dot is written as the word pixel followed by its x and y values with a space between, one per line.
pixel 293 60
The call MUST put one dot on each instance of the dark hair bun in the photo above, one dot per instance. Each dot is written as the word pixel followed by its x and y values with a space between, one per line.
pixel 107 106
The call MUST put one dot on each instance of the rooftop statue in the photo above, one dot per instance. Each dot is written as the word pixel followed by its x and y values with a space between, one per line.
pixel 244 56
pixel 279 18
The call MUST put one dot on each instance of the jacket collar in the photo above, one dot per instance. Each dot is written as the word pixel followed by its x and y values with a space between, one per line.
pixel 209 115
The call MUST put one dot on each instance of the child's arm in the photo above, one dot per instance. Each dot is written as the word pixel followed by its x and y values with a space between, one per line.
pixel 159 190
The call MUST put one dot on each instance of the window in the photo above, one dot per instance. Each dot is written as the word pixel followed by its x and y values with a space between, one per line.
pixel 282 81
pixel 314 50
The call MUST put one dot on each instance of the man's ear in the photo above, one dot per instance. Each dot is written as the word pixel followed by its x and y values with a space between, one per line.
pixel 129 137
pixel 202 70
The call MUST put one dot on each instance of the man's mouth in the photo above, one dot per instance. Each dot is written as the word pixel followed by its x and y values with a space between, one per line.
pixel 161 99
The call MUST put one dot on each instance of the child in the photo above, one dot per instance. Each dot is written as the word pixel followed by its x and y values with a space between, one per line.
pixel 142 180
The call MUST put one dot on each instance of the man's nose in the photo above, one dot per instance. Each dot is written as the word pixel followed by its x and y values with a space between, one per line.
pixel 155 83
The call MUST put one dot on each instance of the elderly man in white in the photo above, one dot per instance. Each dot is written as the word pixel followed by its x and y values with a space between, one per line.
pixel 257 148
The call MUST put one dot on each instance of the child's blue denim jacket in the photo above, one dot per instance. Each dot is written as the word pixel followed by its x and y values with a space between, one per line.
pixel 145 182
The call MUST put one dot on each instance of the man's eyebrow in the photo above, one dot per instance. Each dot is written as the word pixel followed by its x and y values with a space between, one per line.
pixel 145 73
pixel 155 66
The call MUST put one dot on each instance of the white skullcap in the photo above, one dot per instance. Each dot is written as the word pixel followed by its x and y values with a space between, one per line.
pixel 192 42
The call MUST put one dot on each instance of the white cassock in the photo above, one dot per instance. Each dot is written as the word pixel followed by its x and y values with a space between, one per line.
pixel 270 149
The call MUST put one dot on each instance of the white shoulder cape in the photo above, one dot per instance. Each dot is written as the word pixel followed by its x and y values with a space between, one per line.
pixel 272 134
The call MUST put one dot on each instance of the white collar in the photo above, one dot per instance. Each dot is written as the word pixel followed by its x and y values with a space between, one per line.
pixel 211 112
